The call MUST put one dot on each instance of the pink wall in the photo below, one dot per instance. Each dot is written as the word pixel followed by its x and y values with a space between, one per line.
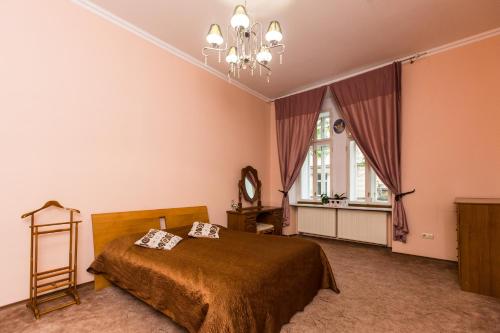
pixel 103 121
pixel 451 140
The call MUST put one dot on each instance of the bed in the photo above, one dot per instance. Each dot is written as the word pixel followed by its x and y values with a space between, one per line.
pixel 241 282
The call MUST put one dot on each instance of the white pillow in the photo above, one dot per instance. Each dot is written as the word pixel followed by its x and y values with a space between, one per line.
pixel 157 239
pixel 204 230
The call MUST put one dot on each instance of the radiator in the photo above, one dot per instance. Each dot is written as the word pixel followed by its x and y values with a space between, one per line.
pixel 317 221
pixel 363 226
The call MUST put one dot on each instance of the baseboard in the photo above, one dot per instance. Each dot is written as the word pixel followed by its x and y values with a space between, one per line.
pixel 372 244
pixel 436 259
pixel 341 239
pixel 79 286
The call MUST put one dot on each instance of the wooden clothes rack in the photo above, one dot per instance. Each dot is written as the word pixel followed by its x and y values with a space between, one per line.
pixel 44 291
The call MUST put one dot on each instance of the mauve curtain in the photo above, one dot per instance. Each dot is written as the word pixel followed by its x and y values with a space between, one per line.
pixel 370 104
pixel 296 118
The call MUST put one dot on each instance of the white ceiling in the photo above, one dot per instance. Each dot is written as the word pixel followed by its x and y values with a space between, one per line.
pixel 324 38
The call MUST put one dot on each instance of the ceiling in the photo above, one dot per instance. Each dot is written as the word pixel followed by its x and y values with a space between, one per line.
pixel 324 38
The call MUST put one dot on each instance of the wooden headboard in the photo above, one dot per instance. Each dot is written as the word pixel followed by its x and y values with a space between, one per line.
pixel 109 226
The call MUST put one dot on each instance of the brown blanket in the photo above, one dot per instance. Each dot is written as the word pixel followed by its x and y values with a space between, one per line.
pixel 241 282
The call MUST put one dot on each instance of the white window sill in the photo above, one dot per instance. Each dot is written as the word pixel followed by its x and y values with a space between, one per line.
pixel 317 204
pixel 351 203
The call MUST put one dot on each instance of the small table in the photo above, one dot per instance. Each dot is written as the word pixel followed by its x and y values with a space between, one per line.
pixel 250 218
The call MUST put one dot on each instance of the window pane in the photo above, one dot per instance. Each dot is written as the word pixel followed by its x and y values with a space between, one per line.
pixel 357 170
pixel 323 169
pixel 306 176
pixel 379 189
pixel 323 126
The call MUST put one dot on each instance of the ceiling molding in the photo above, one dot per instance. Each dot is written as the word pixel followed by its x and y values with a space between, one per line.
pixel 422 54
pixel 90 6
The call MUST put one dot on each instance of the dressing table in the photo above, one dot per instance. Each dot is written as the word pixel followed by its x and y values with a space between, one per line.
pixel 258 219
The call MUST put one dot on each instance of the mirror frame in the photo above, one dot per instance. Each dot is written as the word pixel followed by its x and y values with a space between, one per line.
pixel 242 190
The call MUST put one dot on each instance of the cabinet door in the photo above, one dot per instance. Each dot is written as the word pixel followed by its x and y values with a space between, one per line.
pixel 476 269
pixel 495 249
pixel 317 221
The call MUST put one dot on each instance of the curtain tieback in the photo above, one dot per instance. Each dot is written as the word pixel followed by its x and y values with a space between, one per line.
pixel 402 194
pixel 285 193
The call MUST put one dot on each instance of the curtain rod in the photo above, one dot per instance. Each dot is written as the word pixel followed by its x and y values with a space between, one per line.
pixel 411 59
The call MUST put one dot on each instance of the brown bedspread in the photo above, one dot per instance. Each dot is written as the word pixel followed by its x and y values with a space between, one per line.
pixel 241 282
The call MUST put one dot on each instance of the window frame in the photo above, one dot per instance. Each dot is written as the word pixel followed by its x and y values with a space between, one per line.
pixel 315 143
pixel 370 182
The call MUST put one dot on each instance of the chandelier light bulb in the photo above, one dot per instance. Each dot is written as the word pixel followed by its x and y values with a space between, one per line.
pixel 240 18
pixel 274 34
pixel 232 55
pixel 264 56
pixel 214 35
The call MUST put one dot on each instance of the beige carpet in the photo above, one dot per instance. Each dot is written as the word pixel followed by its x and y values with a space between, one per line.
pixel 381 292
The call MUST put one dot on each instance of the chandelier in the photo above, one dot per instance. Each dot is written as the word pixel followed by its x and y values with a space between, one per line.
pixel 248 49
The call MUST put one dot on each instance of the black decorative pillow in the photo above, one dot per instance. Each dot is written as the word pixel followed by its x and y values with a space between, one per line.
pixel 157 239
pixel 204 230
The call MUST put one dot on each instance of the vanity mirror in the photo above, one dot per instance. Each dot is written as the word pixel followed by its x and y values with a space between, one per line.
pixel 249 187
pixel 255 217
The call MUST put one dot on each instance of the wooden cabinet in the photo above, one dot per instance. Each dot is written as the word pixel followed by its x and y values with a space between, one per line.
pixel 479 245
pixel 247 219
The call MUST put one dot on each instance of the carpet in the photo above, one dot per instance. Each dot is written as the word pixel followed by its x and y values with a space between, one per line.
pixel 380 292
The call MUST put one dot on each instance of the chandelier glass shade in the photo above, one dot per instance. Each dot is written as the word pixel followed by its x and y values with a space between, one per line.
pixel 214 36
pixel 264 56
pixel 273 34
pixel 240 18
pixel 232 55
pixel 246 46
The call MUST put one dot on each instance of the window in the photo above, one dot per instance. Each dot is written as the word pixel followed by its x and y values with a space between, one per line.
pixel 364 184
pixel 315 177
pixel 335 165
pixel 357 171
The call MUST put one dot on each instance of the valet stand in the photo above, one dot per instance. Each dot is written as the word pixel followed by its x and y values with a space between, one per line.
pixel 43 285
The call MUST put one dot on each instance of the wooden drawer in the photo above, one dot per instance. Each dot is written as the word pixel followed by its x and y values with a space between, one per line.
pixel 246 220
pixel 250 224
